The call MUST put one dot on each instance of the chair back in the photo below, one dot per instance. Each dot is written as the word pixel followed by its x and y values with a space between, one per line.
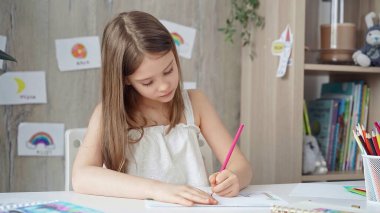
pixel 73 140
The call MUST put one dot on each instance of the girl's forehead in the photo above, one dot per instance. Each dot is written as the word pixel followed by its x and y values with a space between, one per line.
pixel 154 63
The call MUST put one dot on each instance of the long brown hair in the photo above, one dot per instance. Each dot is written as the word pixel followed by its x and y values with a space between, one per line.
pixel 125 41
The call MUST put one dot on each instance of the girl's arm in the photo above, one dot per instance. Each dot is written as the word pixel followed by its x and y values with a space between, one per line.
pixel 238 172
pixel 90 177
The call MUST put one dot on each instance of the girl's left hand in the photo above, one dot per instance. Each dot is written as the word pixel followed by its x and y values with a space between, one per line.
pixel 225 183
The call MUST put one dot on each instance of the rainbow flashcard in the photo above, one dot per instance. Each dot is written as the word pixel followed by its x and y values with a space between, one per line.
pixel 183 37
pixel 78 53
pixel 36 139
pixel 27 87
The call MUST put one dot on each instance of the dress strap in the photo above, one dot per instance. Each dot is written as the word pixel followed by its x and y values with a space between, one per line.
pixel 188 108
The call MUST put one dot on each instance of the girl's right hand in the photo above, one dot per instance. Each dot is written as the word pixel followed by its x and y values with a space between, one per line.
pixel 181 194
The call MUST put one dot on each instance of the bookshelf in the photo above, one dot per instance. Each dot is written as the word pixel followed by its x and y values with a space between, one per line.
pixel 272 107
pixel 328 68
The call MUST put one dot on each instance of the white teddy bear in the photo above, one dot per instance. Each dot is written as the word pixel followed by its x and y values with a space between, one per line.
pixel 369 55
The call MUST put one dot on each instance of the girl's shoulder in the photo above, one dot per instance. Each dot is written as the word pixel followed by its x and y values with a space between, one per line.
pixel 97 114
pixel 198 100
pixel 195 96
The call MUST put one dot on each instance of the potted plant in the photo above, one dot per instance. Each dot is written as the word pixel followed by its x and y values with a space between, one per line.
pixel 245 13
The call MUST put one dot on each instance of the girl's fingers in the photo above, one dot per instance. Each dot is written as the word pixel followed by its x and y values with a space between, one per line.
pixel 212 179
pixel 205 195
pixel 222 176
pixel 202 193
pixel 224 185
pixel 183 201
pixel 220 188
pixel 225 192
pixel 195 198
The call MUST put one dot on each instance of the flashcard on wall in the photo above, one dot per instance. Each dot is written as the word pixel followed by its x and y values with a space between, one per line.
pixel 78 53
pixel 283 47
pixel 189 85
pixel 183 37
pixel 40 139
pixel 23 88
pixel 3 42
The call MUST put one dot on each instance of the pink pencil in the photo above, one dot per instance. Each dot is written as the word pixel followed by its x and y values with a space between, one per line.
pixel 223 167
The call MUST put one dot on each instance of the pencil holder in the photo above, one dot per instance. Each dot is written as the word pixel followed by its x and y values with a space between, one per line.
pixel 372 177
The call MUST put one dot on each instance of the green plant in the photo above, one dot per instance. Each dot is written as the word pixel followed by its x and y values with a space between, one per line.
pixel 245 13
pixel 5 56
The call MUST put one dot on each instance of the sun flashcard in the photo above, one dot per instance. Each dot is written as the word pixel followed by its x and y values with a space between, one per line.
pixel 78 53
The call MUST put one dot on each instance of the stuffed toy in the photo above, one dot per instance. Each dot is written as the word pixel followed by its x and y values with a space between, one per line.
pixel 369 55
pixel 313 161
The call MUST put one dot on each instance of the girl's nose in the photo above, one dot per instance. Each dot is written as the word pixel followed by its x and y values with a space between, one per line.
pixel 164 86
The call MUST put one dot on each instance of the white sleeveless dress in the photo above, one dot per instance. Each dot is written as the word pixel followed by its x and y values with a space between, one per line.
pixel 172 158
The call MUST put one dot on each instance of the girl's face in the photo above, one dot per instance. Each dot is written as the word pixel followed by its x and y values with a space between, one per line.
pixel 157 78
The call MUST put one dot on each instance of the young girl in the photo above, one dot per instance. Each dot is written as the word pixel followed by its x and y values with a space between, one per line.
pixel 142 139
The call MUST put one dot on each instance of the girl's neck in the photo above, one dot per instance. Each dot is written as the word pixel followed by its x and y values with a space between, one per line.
pixel 153 105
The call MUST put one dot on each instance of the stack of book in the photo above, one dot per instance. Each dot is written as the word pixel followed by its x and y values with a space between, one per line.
pixel 331 119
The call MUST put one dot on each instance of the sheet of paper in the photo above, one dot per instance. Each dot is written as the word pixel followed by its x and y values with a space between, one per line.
pixel 244 199
pixel 320 190
pixel 183 37
pixel 3 42
pixel 22 87
pixel 189 85
pixel 78 53
pixel 40 139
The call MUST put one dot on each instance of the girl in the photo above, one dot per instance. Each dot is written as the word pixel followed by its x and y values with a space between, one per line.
pixel 142 139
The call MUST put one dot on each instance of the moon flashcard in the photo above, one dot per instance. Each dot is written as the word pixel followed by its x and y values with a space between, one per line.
pixel 28 87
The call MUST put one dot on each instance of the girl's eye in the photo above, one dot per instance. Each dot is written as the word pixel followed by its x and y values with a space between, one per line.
pixel 168 72
pixel 148 84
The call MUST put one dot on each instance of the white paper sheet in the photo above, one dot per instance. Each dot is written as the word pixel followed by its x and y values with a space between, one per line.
pixel 40 139
pixel 23 87
pixel 189 85
pixel 244 199
pixel 3 42
pixel 183 37
pixel 320 190
pixel 78 53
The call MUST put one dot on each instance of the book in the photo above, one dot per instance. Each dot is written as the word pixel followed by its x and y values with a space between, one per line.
pixel 245 198
pixel 314 207
pixel 306 119
pixel 321 117
pixel 42 207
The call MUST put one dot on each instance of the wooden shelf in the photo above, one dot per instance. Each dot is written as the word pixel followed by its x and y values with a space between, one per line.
pixel 340 68
pixel 333 176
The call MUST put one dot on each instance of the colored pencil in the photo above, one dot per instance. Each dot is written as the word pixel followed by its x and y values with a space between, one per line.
pixel 366 140
pixel 362 149
pixel 223 167
pixel 375 143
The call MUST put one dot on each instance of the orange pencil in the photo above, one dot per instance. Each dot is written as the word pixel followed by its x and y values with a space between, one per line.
pixel 366 141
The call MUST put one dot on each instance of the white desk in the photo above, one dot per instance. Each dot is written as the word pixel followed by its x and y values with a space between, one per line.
pixel 110 204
